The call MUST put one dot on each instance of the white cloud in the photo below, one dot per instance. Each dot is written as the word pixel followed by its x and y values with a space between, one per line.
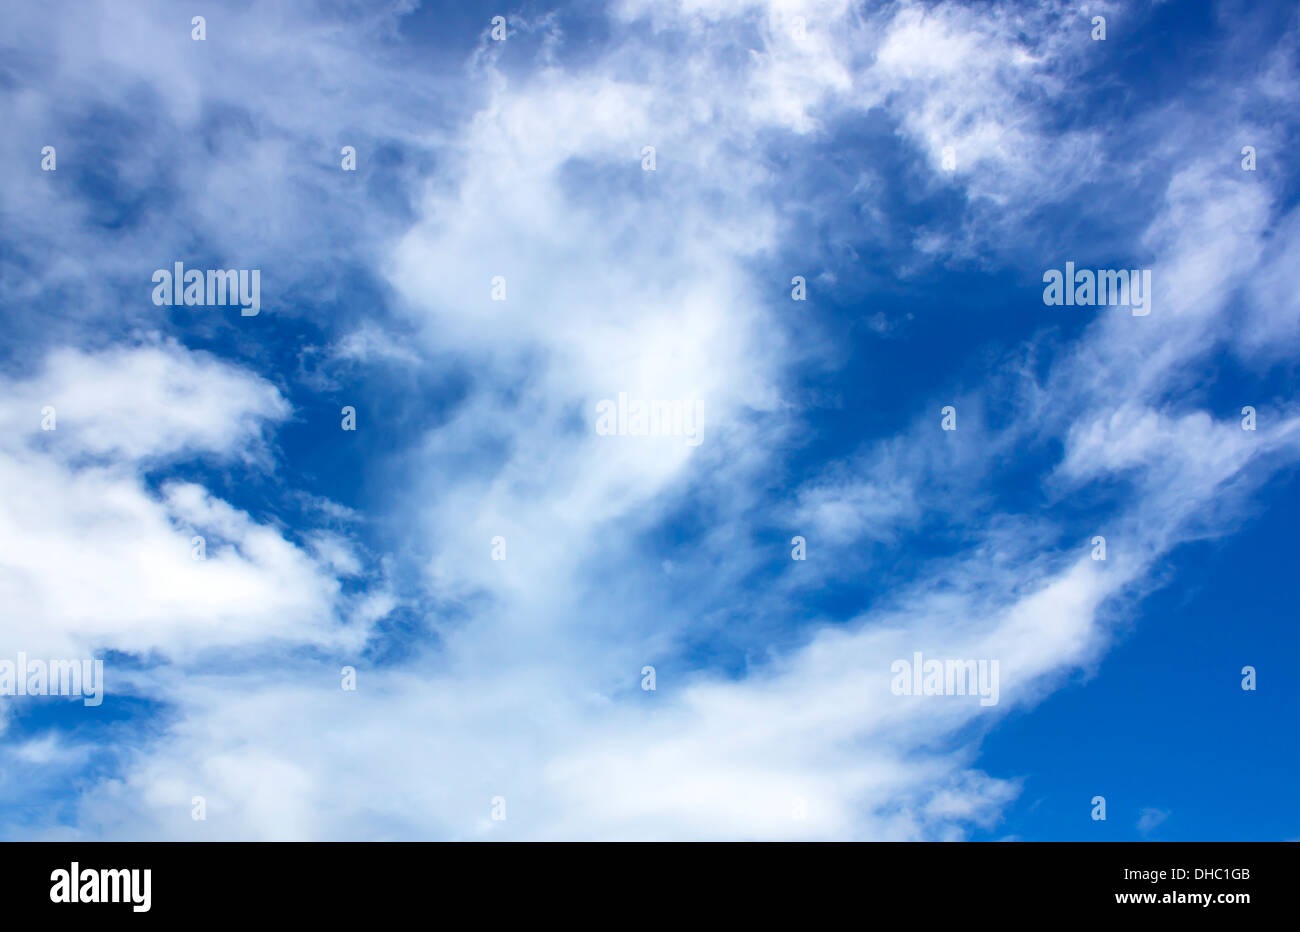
pixel 136 403
pixel 95 559
pixel 1150 819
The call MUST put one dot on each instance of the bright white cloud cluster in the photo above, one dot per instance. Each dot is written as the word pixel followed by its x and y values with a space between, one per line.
pixel 96 559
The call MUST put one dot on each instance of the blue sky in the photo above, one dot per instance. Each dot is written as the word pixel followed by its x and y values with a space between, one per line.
pixel 790 139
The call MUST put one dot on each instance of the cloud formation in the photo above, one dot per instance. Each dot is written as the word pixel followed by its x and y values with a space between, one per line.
pixel 772 716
